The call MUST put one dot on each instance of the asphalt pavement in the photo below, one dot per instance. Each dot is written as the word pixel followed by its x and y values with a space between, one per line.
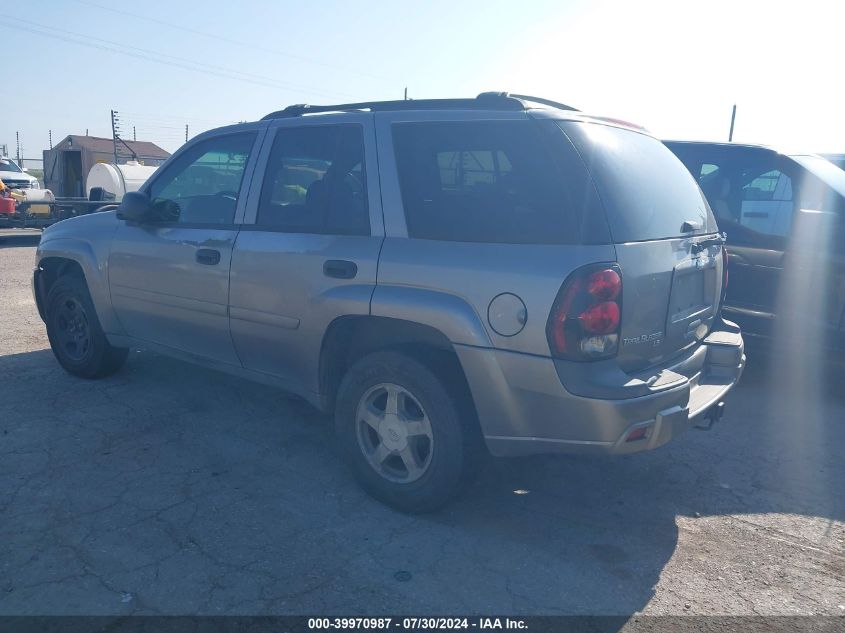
pixel 171 489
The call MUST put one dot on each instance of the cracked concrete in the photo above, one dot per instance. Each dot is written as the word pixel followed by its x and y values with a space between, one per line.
pixel 170 489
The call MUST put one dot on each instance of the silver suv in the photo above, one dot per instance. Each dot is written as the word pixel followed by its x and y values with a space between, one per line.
pixel 443 275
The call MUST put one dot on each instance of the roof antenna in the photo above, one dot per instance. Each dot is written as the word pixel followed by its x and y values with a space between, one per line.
pixel 406 93
pixel 733 118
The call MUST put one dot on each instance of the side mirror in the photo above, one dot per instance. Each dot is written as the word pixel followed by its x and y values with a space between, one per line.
pixel 135 207
pixel 24 169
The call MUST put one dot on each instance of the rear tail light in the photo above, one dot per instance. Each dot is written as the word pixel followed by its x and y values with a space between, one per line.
pixel 602 318
pixel 724 273
pixel 586 315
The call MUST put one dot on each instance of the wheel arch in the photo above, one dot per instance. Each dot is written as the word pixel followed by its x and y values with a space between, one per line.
pixel 349 338
pixel 60 257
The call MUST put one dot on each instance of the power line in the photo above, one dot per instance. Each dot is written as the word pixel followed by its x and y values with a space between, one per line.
pixel 175 117
pixel 144 54
pixel 223 38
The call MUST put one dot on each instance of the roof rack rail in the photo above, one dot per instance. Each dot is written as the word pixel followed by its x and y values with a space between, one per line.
pixel 541 101
pixel 484 101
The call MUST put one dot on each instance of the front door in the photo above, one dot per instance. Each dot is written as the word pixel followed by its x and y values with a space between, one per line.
pixel 169 277
pixel 308 250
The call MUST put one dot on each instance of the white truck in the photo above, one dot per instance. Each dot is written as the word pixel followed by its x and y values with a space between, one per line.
pixel 106 185
pixel 15 177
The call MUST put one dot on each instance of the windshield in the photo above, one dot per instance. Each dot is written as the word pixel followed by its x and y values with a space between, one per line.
pixel 8 165
pixel 826 171
pixel 647 192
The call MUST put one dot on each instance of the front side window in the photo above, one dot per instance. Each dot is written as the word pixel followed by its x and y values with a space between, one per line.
pixel 489 181
pixel 316 182
pixel 749 190
pixel 766 202
pixel 203 184
pixel 823 184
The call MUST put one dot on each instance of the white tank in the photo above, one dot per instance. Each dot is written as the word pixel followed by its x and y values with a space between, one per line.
pixel 116 180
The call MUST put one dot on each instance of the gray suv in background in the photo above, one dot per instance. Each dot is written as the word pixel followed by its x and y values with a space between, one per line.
pixel 442 275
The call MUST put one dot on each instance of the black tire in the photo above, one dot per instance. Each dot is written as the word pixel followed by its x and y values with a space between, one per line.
pixel 450 439
pixel 77 340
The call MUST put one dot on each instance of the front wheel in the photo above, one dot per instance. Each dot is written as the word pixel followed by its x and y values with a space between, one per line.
pixel 401 432
pixel 77 340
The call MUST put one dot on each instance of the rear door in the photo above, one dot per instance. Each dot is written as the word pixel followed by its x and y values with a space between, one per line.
pixel 660 224
pixel 308 250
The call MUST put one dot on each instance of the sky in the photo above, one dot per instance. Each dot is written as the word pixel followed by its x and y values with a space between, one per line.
pixel 675 67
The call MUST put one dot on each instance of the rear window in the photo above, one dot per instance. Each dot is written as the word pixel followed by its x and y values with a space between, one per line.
pixel 493 181
pixel 647 192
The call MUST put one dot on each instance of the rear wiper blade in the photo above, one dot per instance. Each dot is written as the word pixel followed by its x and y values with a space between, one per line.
pixel 690 226
pixel 720 239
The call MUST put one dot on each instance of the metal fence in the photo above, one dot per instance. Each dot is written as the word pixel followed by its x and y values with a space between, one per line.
pixel 33 166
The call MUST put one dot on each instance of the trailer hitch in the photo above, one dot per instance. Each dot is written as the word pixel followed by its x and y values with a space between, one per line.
pixel 711 416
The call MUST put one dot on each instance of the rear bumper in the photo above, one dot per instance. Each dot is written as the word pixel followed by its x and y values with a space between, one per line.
pixel 525 409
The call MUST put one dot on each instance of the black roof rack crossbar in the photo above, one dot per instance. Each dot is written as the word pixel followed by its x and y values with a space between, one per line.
pixel 484 101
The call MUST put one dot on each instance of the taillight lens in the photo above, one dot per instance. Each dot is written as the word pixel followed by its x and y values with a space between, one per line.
pixel 602 318
pixel 604 284
pixel 586 315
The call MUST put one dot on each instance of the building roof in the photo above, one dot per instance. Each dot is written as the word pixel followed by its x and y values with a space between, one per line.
pixel 144 149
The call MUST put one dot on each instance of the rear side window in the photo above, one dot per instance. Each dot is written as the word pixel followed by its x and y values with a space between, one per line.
pixel 490 181
pixel 316 182
pixel 647 192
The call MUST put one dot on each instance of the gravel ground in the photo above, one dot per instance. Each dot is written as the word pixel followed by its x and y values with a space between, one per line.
pixel 170 489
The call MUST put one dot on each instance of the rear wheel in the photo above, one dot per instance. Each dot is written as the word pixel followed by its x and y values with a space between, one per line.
pixel 401 432
pixel 77 340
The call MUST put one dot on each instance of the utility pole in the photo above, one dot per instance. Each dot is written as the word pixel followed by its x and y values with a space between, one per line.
pixel 18 146
pixel 86 131
pixel 115 122
pixel 134 138
pixel 733 118
pixel 50 136
pixel 186 132
pixel 406 93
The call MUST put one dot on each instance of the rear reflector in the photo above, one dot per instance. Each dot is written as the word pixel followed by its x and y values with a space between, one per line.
pixel 637 434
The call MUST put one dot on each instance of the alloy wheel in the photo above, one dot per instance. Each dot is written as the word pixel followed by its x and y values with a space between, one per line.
pixel 394 433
